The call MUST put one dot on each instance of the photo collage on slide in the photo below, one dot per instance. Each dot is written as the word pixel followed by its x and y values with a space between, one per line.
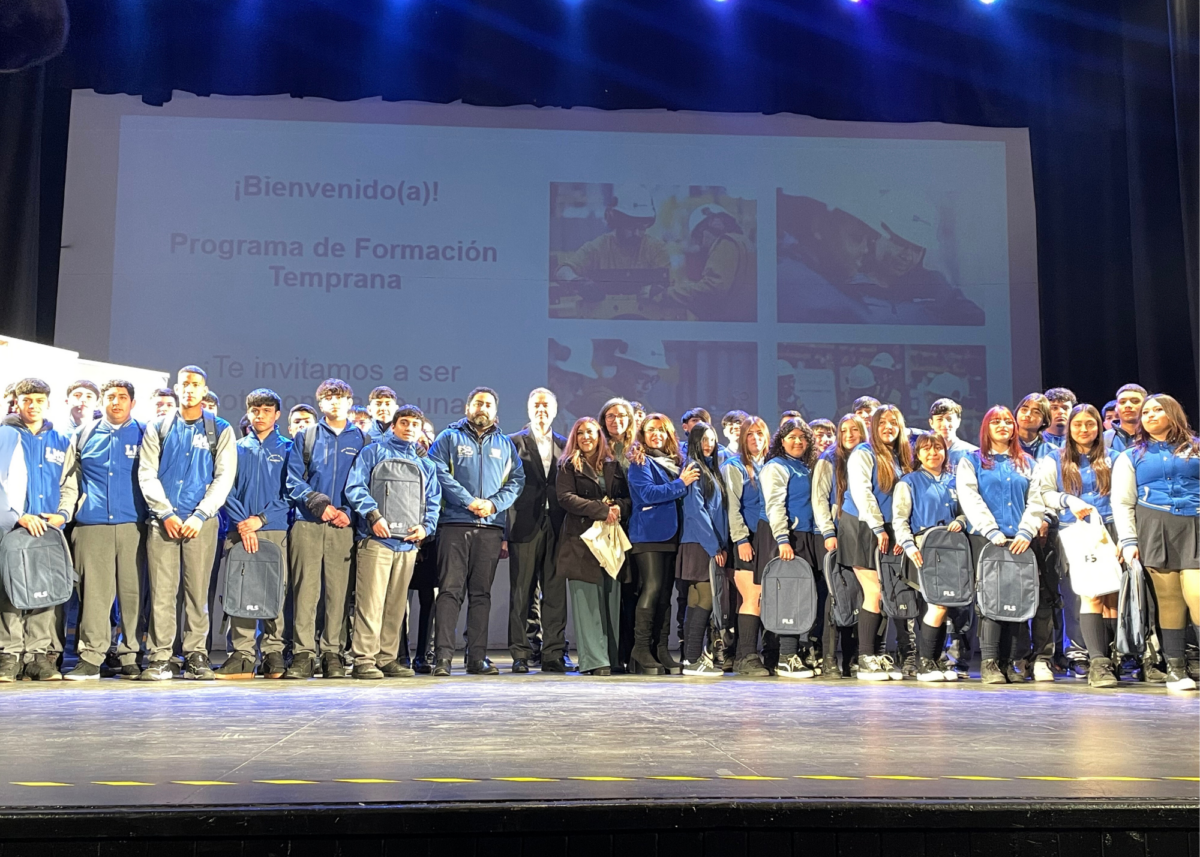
pixel 636 254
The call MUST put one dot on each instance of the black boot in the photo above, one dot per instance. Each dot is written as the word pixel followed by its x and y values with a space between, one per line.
pixel 660 638
pixel 641 660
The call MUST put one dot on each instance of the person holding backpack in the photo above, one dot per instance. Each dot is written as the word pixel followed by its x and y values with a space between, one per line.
pixel 787 488
pixel 257 508
pixel 591 487
pixel 1003 506
pixel 658 480
pixel 924 498
pixel 101 495
pixel 394 492
pixel 186 470
pixel 702 541
pixel 321 541
pixel 865 529
pixel 1075 483
pixel 43 451
pixel 1156 506
pixel 750 532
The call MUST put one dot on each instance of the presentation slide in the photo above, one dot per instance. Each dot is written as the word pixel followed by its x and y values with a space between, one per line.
pixel 679 259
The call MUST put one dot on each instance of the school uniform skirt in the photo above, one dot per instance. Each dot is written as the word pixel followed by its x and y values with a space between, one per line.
pixel 762 541
pixel 691 563
pixel 857 543
pixel 1167 541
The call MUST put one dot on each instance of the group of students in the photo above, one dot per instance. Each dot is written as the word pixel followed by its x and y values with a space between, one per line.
pixel 361 513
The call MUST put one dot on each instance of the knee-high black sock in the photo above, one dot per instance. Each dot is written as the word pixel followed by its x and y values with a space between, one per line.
pixel 1110 636
pixel 927 642
pixel 747 639
pixel 940 648
pixel 1092 626
pixel 695 625
pixel 868 629
pixel 789 644
pixel 1173 643
pixel 989 639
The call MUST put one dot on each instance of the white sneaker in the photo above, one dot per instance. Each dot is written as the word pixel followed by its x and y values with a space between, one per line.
pixel 1042 671
pixel 793 667
pixel 889 666
pixel 703 668
pixel 927 670
pixel 869 669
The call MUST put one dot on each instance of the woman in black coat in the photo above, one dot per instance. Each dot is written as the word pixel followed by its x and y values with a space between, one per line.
pixel 591 487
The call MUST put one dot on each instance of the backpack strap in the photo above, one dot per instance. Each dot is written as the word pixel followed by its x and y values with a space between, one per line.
pixel 210 431
pixel 307 445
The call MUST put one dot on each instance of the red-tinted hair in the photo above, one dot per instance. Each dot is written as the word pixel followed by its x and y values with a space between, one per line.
pixel 1015 451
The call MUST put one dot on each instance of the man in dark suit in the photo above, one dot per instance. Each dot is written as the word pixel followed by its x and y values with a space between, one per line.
pixel 534 521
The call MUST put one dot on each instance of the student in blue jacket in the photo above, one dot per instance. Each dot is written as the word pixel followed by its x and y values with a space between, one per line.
pixel 481 476
pixel 658 480
pixel 787 487
pixel 703 537
pixel 1123 434
pixel 387 555
pixel 257 508
pixel 100 478
pixel 923 499
pixel 321 541
pixel 750 532
pixel 1075 482
pixel 1003 505
pixel 185 481
pixel 1156 505
pixel 865 529
pixel 44 451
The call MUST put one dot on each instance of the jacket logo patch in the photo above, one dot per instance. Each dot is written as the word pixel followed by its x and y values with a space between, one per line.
pixel 497 453
pixel 199 441
pixel 350 451
pixel 275 459
pixel 131 450
pixel 56 456
pixel 465 451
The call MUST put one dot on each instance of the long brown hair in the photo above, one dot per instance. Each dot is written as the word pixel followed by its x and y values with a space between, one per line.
pixel 842 455
pixel 1180 435
pixel 1016 452
pixel 637 450
pixel 889 455
pixel 626 440
pixel 574 456
pixel 750 424
pixel 1071 454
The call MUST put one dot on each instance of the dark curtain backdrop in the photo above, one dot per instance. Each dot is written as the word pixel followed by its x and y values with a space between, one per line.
pixel 1106 87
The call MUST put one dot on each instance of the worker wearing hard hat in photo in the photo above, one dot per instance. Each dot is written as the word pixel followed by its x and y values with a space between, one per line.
pixel 631 369
pixel 887 372
pixel 626 245
pixel 721 269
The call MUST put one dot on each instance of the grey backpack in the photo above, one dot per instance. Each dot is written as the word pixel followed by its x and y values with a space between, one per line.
pixel 398 488
pixel 899 600
pixel 36 570
pixel 1007 584
pixel 789 597
pixel 947 578
pixel 845 592
pixel 254 582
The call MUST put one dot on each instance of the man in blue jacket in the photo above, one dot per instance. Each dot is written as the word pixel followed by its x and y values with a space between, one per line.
pixel 257 508
pixel 100 477
pixel 187 466
pixel 386 554
pixel 44 451
pixel 322 541
pixel 481 475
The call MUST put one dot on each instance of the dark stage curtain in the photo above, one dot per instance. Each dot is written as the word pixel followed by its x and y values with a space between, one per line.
pixel 1106 87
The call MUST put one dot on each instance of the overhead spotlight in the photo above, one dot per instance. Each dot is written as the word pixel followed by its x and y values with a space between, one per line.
pixel 987 2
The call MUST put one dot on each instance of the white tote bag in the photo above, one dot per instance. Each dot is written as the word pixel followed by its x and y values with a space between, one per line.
pixel 1091 558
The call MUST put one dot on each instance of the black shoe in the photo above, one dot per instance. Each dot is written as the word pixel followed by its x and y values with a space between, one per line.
pixel 369 672
pixel 1151 673
pixel 157 671
pixel 129 672
pixel 600 671
pixel 332 666
pixel 239 665
pixel 483 667
pixel 10 667
pixel 42 668
pixel 1100 673
pixel 536 659
pixel 554 665
pixel 111 665
pixel 397 669
pixel 991 672
pixel 421 666
pixel 83 672
pixel 273 665
pixel 520 665
pixel 197 668
pixel 303 666
pixel 442 667
pixel 1177 675
pixel 909 668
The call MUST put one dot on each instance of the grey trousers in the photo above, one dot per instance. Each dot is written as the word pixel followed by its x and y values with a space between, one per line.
pixel 243 632
pixel 597 611
pixel 320 553
pixel 380 601
pixel 177 565
pixel 109 559
pixel 22 631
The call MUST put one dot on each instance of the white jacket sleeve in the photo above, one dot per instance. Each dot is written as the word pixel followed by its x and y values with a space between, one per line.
pixel 148 460
pixel 978 514
pixel 858 482
pixel 901 509
pixel 822 484
pixel 1124 500
pixel 739 530
pixel 69 487
pixel 774 480
pixel 14 477
pixel 224 473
